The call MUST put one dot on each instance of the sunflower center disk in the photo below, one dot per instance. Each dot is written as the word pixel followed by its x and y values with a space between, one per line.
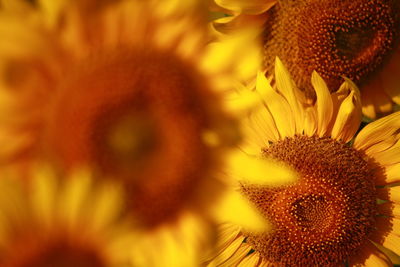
pixel 350 39
pixel 137 117
pixel 60 255
pixel 323 218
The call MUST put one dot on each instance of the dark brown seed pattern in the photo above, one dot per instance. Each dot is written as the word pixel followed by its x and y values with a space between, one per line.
pixel 338 39
pixel 323 218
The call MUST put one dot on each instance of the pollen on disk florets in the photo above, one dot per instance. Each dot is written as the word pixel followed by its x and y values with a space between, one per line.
pixel 323 218
pixel 338 39
pixel 138 116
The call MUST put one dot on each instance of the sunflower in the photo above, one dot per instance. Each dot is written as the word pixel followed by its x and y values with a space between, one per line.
pixel 354 39
pixel 345 202
pixel 48 222
pixel 131 89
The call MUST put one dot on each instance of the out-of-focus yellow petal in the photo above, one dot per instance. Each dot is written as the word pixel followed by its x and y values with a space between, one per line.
pixel 108 205
pixel 76 190
pixel 43 198
pixel 15 5
pixel 13 143
pixel 52 9
pixel 259 171
pixel 240 48
pixel 247 6
pixel 234 208
pixel 242 102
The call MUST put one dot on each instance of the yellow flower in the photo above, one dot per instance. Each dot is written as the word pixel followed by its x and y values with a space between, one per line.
pixel 50 221
pixel 354 39
pixel 331 214
pixel 131 89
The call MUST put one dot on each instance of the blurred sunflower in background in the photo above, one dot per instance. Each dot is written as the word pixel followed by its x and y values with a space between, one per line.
pixel 358 40
pixel 52 221
pixel 345 202
pixel 131 89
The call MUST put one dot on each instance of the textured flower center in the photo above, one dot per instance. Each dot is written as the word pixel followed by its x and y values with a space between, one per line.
pixel 343 39
pixel 138 117
pixel 323 218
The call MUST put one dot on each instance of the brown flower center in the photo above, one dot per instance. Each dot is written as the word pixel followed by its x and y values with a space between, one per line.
pixel 338 39
pixel 61 254
pixel 323 218
pixel 139 117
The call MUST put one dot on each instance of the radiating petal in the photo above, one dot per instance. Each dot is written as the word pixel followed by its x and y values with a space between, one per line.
pixel 348 117
pixel 370 256
pixel 377 131
pixel 288 88
pixel 324 103
pixel 277 105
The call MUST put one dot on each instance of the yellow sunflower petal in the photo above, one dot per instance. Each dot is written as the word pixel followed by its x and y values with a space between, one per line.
pixel 263 122
pixel 15 5
pixel 389 209
pixel 218 55
pixel 12 143
pixel 108 202
pixel 250 261
pixel 278 106
pixel 227 233
pixel 392 242
pixel 324 103
pixel 393 194
pixel 248 7
pixel 392 173
pixel 370 256
pixel 310 121
pixel 349 115
pixel 230 251
pixel 75 192
pixel 377 131
pixel 234 208
pixel 252 141
pixel 368 108
pixel 289 90
pixel 238 256
pixel 382 145
pixel 44 195
pixel 51 9
pixel 260 171
pixel 242 102
pixel 381 100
